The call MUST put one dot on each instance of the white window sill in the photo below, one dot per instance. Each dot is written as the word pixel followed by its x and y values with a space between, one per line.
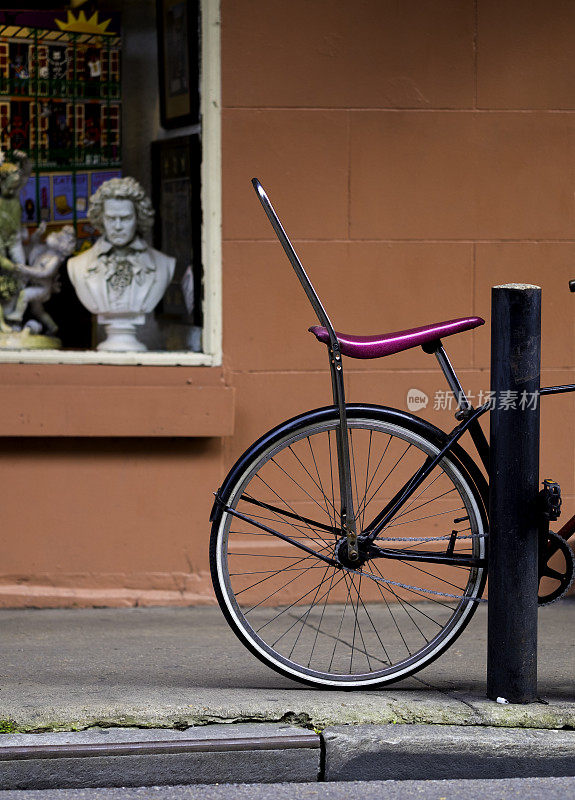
pixel 162 359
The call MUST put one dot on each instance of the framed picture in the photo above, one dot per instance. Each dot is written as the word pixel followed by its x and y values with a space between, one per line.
pixel 178 23
pixel 177 225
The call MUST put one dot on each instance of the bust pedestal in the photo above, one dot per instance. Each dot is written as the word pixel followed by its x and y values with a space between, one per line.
pixel 121 332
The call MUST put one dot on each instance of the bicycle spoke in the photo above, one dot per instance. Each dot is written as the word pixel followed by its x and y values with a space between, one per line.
pixel 376 632
pixel 299 486
pixel 285 610
pixel 364 505
pixel 391 612
pixel 263 533
pixel 279 512
pixel 272 571
pixel 321 619
pixel 327 500
pixel 301 618
pixel 307 613
pixel 425 487
pixel 345 642
pixel 337 638
pixel 313 480
pixel 259 583
pixel 366 477
pixel 356 625
pixel 351 447
pixel 427 502
pixel 406 605
pixel 399 460
pixel 432 575
pixel 429 516
pixel 288 505
pixel 419 591
pixel 263 555
pixel 265 599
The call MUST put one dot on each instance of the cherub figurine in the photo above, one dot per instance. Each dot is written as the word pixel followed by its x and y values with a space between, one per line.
pixel 42 280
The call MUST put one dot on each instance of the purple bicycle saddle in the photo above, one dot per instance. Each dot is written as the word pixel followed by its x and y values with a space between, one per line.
pixel 386 344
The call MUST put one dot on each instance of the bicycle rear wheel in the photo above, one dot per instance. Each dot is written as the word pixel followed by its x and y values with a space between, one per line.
pixel 331 626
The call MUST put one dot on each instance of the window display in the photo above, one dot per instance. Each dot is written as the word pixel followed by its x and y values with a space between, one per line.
pixel 62 74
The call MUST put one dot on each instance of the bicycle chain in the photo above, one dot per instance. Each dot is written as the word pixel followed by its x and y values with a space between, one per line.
pixel 420 588
pixel 434 538
pixel 379 579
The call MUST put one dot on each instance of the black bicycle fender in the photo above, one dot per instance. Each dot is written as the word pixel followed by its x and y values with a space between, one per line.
pixel 407 420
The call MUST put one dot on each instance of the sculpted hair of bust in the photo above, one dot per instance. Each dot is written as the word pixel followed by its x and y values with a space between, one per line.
pixel 122 189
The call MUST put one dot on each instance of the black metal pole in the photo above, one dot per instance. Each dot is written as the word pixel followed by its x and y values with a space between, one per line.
pixel 514 483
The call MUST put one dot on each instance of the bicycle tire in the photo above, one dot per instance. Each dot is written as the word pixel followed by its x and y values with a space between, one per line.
pixel 346 628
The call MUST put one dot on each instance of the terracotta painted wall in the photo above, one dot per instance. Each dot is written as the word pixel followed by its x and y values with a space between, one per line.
pixel 108 520
pixel 418 153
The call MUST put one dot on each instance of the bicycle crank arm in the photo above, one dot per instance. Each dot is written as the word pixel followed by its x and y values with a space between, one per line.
pixel 331 561
pixel 428 557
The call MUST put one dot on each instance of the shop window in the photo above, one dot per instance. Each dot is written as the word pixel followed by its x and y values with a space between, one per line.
pixel 61 101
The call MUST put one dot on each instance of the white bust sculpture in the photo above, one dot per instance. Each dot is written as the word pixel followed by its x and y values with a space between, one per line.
pixel 121 278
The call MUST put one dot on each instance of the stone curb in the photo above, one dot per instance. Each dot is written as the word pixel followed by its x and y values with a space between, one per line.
pixel 435 752
pixel 273 753
pixel 105 757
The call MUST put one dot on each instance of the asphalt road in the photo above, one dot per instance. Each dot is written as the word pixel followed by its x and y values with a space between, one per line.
pixel 511 789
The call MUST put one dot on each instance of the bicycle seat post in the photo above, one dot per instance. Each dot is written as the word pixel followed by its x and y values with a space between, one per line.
pixel 347 513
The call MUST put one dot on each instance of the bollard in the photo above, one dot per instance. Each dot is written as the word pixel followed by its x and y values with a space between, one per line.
pixel 513 489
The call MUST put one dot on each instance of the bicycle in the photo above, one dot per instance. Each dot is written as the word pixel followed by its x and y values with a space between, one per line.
pixel 311 516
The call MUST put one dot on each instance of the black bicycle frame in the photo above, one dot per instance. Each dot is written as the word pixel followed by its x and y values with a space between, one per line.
pixel 466 413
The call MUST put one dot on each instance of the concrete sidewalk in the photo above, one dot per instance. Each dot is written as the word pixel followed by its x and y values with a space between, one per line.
pixel 66 670
pixel 177 667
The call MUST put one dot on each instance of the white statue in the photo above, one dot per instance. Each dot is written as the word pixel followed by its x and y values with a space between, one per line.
pixel 27 280
pixel 41 277
pixel 121 278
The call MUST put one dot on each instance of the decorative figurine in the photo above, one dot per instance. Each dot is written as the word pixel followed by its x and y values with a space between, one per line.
pixel 121 278
pixel 36 284
pixel 13 176
pixel 42 280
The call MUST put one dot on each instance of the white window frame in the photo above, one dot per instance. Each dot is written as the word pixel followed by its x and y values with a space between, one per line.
pixel 211 197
